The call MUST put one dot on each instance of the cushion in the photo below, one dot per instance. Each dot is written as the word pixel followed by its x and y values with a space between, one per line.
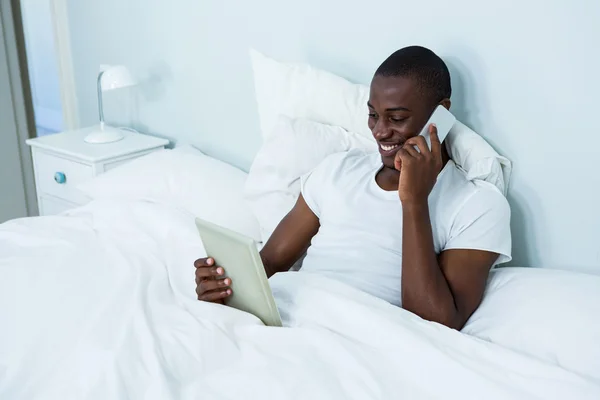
pixel 294 149
pixel 302 91
pixel 549 314
pixel 186 178
pixel 473 154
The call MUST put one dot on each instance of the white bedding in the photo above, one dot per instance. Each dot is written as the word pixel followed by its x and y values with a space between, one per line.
pixel 100 304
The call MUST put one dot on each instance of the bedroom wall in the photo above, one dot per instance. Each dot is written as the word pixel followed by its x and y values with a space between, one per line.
pixel 524 75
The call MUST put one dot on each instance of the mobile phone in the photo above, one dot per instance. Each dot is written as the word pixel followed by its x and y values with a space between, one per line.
pixel 443 120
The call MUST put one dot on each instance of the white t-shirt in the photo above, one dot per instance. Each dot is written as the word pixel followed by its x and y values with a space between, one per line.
pixel 360 238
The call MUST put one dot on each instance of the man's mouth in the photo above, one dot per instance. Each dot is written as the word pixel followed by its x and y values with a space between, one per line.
pixel 388 149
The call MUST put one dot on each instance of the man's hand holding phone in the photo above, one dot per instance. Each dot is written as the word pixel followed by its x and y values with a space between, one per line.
pixel 418 169
pixel 420 158
pixel 211 283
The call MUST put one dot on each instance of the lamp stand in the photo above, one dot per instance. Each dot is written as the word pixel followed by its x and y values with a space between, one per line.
pixel 105 134
pixel 100 102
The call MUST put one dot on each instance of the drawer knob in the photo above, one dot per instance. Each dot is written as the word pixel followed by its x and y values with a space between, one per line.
pixel 60 177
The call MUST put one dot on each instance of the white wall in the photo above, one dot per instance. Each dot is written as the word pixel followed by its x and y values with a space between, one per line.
pixel 525 75
pixel 41 59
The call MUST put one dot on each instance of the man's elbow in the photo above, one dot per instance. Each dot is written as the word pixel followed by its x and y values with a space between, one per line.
pixel 447 316
pixel 450 318
pixel 454 321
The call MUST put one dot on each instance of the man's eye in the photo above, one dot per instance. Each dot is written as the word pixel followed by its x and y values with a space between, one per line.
pixel 396 119
pixel 372 115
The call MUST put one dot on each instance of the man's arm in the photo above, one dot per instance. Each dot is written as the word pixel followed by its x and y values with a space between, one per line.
pixel 290 239
pixel 288 242
pixel 447 289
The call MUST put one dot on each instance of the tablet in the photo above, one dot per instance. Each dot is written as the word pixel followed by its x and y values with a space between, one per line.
pixel 238 255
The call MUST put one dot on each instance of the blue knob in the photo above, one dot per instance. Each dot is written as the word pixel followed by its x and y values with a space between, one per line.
pixel 60 177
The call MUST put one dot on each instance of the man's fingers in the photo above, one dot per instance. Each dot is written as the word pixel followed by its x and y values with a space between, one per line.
pixel 209 272
pixel 204 262
pixel 418 141
pixel 410 149
pixel 404 155
pixel 398 160
pixel 402 158
pixel 208 285
pixel 215 295
pixel 397 163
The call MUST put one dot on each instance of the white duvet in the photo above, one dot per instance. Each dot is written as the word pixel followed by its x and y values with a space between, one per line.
pixel 100 304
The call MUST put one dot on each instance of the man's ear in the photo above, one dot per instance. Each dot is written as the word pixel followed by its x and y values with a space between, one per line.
pixel 446 103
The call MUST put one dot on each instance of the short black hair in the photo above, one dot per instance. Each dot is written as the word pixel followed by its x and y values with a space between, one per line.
pixel 423 65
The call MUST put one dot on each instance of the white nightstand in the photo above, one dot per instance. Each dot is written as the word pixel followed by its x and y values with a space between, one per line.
pixel 63 160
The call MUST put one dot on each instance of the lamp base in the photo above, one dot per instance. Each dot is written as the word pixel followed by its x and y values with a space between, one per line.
pixel 103 135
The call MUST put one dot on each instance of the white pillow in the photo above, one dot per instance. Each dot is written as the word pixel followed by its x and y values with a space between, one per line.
pixel 549 314
pixel 186 178
pixel 477 157
pixel 294 149
pixel 301 91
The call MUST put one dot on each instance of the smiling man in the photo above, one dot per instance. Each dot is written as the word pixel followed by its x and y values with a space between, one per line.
pixel 403 225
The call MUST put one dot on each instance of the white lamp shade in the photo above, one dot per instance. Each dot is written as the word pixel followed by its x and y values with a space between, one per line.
pixel 116 77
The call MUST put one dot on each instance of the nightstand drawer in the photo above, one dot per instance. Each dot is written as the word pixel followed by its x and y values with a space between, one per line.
pixel 59 177
pixel 52 206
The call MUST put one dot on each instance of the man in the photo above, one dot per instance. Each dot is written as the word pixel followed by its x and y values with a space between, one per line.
pixel 403 225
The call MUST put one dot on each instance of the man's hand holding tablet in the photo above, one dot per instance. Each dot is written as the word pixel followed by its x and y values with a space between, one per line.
pixel 211 285
pixel 239 261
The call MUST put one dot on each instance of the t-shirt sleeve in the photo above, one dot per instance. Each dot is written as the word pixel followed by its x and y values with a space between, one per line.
pixel 313 185
pixel 483 223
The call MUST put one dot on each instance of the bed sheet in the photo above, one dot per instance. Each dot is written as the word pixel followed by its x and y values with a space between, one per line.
pixel 100 304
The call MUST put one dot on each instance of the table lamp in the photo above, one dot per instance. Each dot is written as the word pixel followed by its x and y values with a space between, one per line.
pixel 111 77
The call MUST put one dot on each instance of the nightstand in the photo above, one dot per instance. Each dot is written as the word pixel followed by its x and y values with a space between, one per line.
pixel 61 161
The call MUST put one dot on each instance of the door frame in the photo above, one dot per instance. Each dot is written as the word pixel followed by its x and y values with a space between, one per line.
pixel 64 62
pixel 21 104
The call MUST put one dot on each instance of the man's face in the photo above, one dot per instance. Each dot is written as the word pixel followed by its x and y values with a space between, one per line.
pixel 398 110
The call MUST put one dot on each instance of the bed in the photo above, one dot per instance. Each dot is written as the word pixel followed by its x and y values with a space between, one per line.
pixel 99 302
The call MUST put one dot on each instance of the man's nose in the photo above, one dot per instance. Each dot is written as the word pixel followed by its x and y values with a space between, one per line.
pixel 381 130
